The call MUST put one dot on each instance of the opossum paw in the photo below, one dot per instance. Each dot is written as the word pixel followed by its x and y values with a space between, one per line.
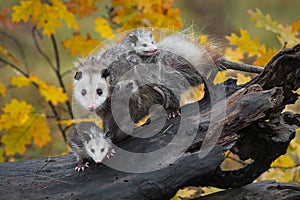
pixel 81 166
pixel 174 114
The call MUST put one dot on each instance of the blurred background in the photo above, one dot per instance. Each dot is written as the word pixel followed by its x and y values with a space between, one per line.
pixel 214 18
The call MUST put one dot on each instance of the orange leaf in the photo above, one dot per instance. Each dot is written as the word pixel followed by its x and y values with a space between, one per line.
pixel 83 7
pixel 80 45
pixel 296 26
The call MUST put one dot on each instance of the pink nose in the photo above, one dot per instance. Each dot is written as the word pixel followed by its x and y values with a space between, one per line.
pixel 92 108
pixel 97 161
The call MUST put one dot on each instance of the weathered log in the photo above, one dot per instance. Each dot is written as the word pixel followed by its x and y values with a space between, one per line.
pixel 253 127
pixel 258 191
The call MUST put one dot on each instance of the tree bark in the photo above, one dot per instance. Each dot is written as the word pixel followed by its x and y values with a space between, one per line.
pixel 253 128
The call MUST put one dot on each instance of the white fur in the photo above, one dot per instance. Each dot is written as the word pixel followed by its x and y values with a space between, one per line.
pixel 90 81
pixel 98 147
pixel 191 51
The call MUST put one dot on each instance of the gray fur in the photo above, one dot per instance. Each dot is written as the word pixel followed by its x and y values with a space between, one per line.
pixel 88 141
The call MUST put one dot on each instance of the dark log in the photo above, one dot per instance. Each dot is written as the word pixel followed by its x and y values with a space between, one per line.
pixel 258 191
pixel 253 127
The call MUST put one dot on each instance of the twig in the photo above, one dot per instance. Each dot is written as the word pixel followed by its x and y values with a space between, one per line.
pixel 57 117
pixel 238 66
pixel 57 71
pixel 67 72
pixel 42 167
pixel 40 50
pixel 14 67
pixel 19 47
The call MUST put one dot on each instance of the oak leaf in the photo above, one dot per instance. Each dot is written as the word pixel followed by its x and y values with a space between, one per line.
pixel 15 113
pixel 102 27
pixel 20 81
pixel 80 45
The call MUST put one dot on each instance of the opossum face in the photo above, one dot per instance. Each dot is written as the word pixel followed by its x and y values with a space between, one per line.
pixel 98 146
pixel 144 45
pixel 90 89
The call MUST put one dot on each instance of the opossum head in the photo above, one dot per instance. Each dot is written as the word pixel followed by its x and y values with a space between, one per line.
pixel 91 88
pixel 143 42
pixel 96 144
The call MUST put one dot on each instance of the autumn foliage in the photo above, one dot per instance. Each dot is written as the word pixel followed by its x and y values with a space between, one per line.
pixel 23 125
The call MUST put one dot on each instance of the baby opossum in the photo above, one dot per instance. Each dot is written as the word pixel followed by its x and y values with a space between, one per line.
pixel 142 41
pixel 88 141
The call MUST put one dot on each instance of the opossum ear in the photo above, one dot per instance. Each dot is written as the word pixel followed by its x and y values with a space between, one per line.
pixel 78 76
pixel 105 73
pixel 132 38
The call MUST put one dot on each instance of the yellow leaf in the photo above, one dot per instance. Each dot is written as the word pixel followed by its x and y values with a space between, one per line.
pixel 48 20
pixel 233 55
pixel 296 26
pixel 220 77
pixel 52 93
pixel 241 78
pixel 285 34
pixel 47 15
pixel 80 45
pixel 189 193
pixel 2 89
pixel 265 57
pixel 245 43
pixel 16 113
pixel 20 81
pixel 40 131
pixel 16 140
pixel 64 14
pixel 284 161
pixel 25 10
pixel 102 27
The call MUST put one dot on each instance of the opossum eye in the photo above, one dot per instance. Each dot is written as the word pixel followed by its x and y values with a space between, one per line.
pixel 145 45
pixel 99 92
pixel 152 42
pixel 78 76
pixel 102 150
pixel 83 92
pixel 93 150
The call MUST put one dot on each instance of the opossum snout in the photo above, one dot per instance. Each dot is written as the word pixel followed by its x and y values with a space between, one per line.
pixel 98 161
pixel 92 108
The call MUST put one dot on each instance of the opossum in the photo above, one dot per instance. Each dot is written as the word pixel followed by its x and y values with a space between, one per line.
pixel 159 80
pixel 142 42
pixel 88 141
